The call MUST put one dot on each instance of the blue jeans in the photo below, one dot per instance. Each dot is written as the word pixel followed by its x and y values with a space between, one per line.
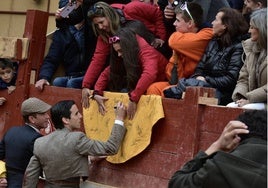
pixel 69 82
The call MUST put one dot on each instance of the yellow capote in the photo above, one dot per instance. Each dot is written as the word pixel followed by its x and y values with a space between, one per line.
pixel 139 130
pixel 2 169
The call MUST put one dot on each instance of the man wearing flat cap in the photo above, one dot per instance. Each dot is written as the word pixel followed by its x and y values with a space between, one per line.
pixel 16 147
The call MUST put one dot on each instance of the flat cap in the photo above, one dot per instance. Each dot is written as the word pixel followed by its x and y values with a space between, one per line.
pixel 34 105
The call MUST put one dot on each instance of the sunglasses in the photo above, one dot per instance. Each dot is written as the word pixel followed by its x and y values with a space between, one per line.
pixel 113 39
pixel 184 7
pixel 95 10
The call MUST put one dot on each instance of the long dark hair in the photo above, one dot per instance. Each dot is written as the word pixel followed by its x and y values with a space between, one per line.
pixel 236 26
pixel 125 71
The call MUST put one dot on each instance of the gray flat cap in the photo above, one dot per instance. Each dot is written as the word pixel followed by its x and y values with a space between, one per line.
pixel 34 105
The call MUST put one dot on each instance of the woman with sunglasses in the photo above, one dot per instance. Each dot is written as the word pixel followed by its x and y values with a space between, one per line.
pixel 220 65
pixel 251 88
pixel 105 22
pixel 134 65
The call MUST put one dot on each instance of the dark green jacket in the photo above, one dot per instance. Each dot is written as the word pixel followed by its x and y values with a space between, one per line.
pixel 245 167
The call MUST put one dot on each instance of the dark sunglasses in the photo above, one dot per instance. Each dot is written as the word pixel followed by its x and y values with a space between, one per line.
pixel 95 10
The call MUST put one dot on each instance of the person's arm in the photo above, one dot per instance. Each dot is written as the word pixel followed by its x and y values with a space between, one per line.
pixel 86 146
pixel 194 173
pixel 54 57
pixel 148 58
pixel 196 42
pixel 97 64
pixel 32 173
pixel 234 63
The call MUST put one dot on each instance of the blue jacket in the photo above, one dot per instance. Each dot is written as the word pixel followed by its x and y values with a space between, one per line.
pixel 16 148
pixel 68 47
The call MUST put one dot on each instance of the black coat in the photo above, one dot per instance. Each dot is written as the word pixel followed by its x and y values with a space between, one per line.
pixel 220 67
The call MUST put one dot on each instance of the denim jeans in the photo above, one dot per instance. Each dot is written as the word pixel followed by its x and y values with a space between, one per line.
pixel 69 82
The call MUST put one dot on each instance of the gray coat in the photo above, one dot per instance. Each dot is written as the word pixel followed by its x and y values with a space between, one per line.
pixel 252 81
pixel 64 154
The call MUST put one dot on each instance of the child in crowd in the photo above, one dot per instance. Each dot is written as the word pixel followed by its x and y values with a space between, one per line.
pixel 188 44
pixel 8 75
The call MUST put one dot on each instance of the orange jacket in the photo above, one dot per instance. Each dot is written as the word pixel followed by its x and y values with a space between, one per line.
pixel 189 48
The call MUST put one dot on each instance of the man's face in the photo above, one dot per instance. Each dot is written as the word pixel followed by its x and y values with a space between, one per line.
pixel 40 120
pixel 75 118
pixel 251 5
pixel 6 74
pixel 180 24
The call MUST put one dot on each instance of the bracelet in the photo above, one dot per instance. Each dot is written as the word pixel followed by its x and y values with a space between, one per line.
pixel 119 122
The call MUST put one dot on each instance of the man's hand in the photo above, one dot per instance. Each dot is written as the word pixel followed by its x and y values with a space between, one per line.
pixel 229 138
pixel 10 89
pixel 169 12
pixel 3 182
pixel 2 100
pixel 40 84
pixel 120 111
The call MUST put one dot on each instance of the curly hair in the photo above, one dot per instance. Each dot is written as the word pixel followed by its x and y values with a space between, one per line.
pixel 256 120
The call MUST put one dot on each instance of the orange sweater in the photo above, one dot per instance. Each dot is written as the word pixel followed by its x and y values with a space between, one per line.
pixel 189 48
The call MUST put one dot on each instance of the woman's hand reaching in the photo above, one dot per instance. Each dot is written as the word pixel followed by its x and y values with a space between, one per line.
pixel 100 100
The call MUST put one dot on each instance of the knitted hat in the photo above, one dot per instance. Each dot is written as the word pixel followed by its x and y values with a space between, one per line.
pixel 34 105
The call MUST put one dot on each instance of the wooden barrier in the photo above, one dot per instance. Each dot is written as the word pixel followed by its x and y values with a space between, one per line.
pixel 186 128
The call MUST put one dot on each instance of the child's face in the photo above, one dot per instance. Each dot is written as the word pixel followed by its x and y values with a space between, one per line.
pixel 6 74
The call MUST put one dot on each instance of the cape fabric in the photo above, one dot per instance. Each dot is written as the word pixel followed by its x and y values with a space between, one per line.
pixel 2 169
pixel 139 130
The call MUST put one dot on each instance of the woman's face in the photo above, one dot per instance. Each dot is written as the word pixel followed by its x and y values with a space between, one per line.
pixel 218 27
pixel 254 32
pixel 102 23
pixel 118 49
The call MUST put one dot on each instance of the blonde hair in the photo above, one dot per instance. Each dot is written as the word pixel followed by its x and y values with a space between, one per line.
pixel 102 9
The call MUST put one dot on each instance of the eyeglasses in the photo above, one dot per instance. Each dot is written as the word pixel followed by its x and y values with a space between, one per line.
pixel 113 39
pixel 184 7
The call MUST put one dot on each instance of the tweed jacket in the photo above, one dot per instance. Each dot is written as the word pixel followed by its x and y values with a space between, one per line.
pixel 64 154
pixel 252 81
